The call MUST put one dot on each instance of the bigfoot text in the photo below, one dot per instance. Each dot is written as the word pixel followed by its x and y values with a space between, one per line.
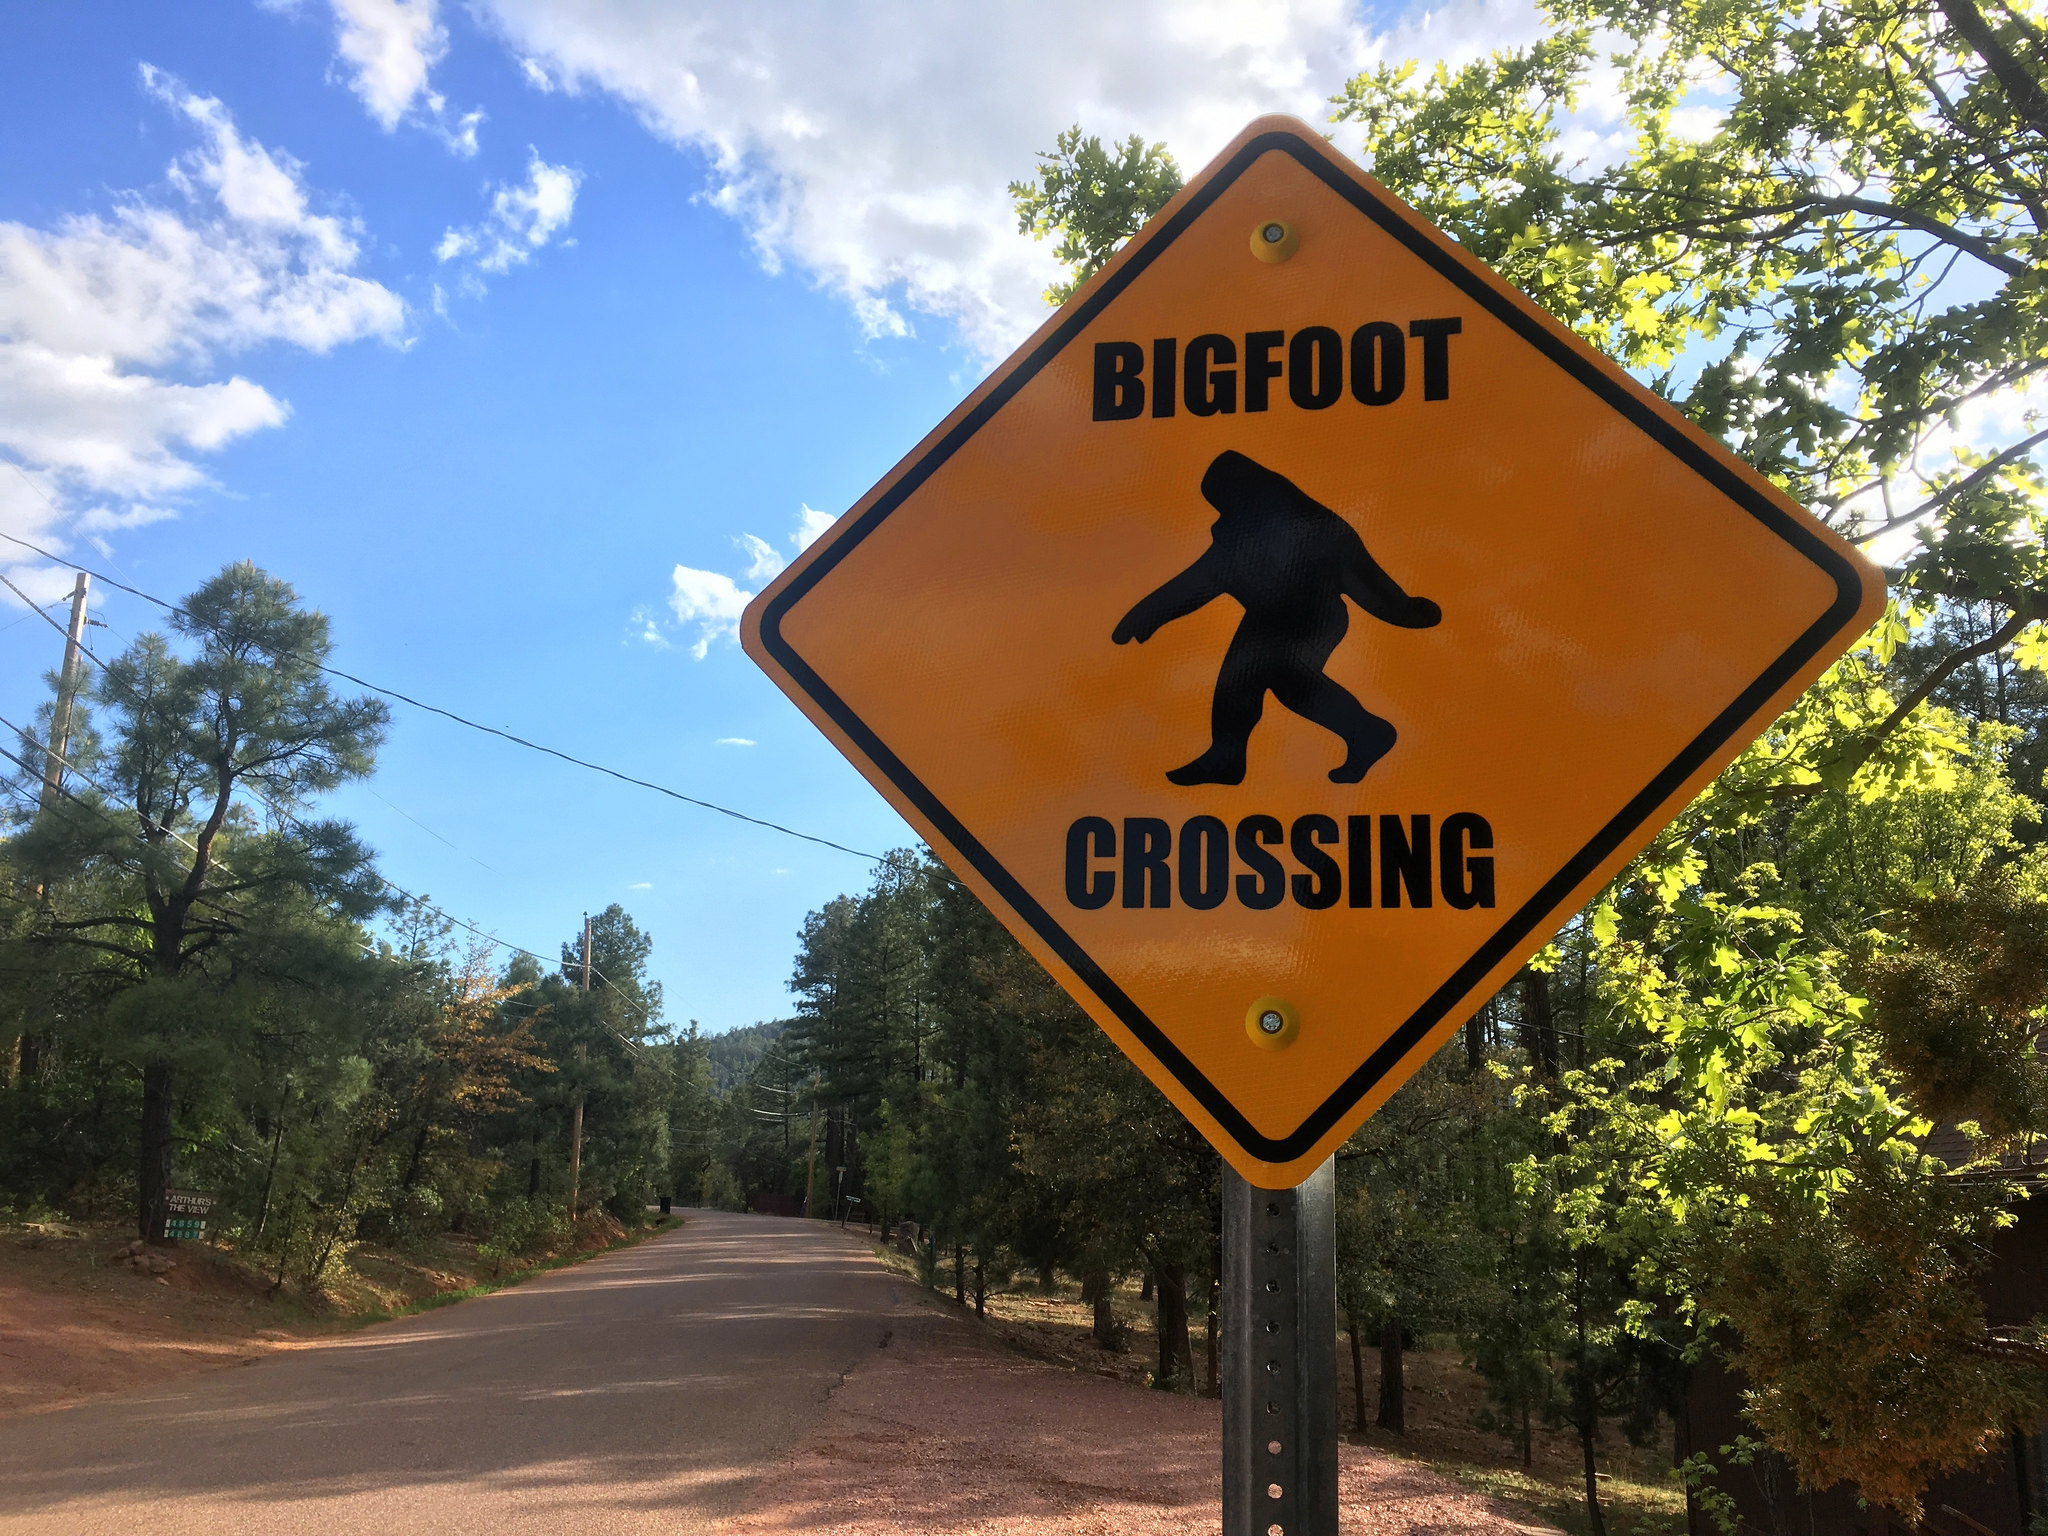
pixel 1203 378
pixel 1206 862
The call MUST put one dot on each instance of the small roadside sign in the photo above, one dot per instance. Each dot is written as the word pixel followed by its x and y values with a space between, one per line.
pixel 1295 632
pixel 187 1210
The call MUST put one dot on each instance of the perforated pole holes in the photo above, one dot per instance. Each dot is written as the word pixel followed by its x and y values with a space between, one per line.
pixel 1279 1356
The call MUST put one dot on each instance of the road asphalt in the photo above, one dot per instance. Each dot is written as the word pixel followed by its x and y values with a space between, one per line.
pixel 639 1392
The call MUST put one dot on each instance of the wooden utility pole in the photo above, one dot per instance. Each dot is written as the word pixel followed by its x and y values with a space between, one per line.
pixel 576 1116
pixel 68 679
pixel 67 690
pixel 811 1168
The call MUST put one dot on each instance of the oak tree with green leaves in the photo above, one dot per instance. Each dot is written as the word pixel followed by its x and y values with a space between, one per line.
pixel 1094 198
pixel 1823 240
pixel 1818 231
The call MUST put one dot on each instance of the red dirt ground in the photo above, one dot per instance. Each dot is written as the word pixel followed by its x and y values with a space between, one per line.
pixel 74 1326
pixel 942 1432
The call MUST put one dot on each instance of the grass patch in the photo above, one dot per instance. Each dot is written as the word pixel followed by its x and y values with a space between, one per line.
pixel 1631 1508
pixel 629 1238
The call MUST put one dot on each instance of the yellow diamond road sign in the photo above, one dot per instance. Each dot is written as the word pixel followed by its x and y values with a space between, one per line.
pixel 1294 633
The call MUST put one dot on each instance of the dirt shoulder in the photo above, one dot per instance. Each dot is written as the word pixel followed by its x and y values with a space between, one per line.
pixel 946 1430
pixel 76 1323
pixel 1446 1401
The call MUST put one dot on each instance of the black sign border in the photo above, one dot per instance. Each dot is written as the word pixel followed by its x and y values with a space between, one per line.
pixel 1524 920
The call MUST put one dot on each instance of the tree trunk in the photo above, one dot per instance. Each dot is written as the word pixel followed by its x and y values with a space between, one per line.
pixel 1681 1454
pixel 332 1235
pixel 1528 1438
pixel 1393 1390
pixel 1594 1518
pixel 533 1177
pixel 576 1152
pixel 270 1175
pixel 980 1287
pixel 1145 1289
pixel 1169 1285
pixel 1475 1042
pixel 31 1060
pixel 1097 1286
pixel 1586 1405
pixel 154 1181
pixel 959 1276
pixel 1357 1374
pixel 1541 1043
pixel 1215 1387
pixel 418 1157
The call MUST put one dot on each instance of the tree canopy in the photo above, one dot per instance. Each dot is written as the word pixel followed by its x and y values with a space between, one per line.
pixel 208 982
pixel 1818 232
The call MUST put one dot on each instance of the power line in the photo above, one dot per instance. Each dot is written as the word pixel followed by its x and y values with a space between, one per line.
pixel 34 608
pixel 449 714
pixel 223 865
pixel 437 837
pixel 74 799
pixel 489 730
pixel 282 814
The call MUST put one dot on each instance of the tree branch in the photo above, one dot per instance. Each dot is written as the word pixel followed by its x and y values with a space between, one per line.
pixel 2016 1352
pixel 1949 493
pixel 76 941
pixel 1927 224
pixel 2022 616
pixel 2022 90
pixel 1707 224
pixel 113 920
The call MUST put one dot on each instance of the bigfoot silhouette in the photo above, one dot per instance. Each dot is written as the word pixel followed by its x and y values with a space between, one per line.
pixel 1291 562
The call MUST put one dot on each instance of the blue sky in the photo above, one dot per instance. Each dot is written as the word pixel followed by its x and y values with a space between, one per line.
pixel 524 339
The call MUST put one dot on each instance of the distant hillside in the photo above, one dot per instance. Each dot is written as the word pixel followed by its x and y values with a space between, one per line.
pixel 733 1054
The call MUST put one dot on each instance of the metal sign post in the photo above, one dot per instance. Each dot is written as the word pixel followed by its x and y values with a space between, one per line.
pixel 1280 1357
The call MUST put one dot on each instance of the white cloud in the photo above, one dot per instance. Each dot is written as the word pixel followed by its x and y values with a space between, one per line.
pixel 641 885
pixel 388 49
pixel 735 741
pixel 522 220
pixel 649 624
pixel 111 324
pixel 459 135
pixel 871 145
pixel 767 561
pixel 713 602
pixel 810 525
pixel 119 432
pixel 24 510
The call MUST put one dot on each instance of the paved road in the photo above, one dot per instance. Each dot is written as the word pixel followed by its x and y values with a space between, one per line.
pixel 637 1393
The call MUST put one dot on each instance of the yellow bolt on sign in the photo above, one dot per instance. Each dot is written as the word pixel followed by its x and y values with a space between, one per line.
pixel 1294 633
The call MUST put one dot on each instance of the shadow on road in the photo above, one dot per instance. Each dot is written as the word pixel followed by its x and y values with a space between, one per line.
pixel 658 1380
